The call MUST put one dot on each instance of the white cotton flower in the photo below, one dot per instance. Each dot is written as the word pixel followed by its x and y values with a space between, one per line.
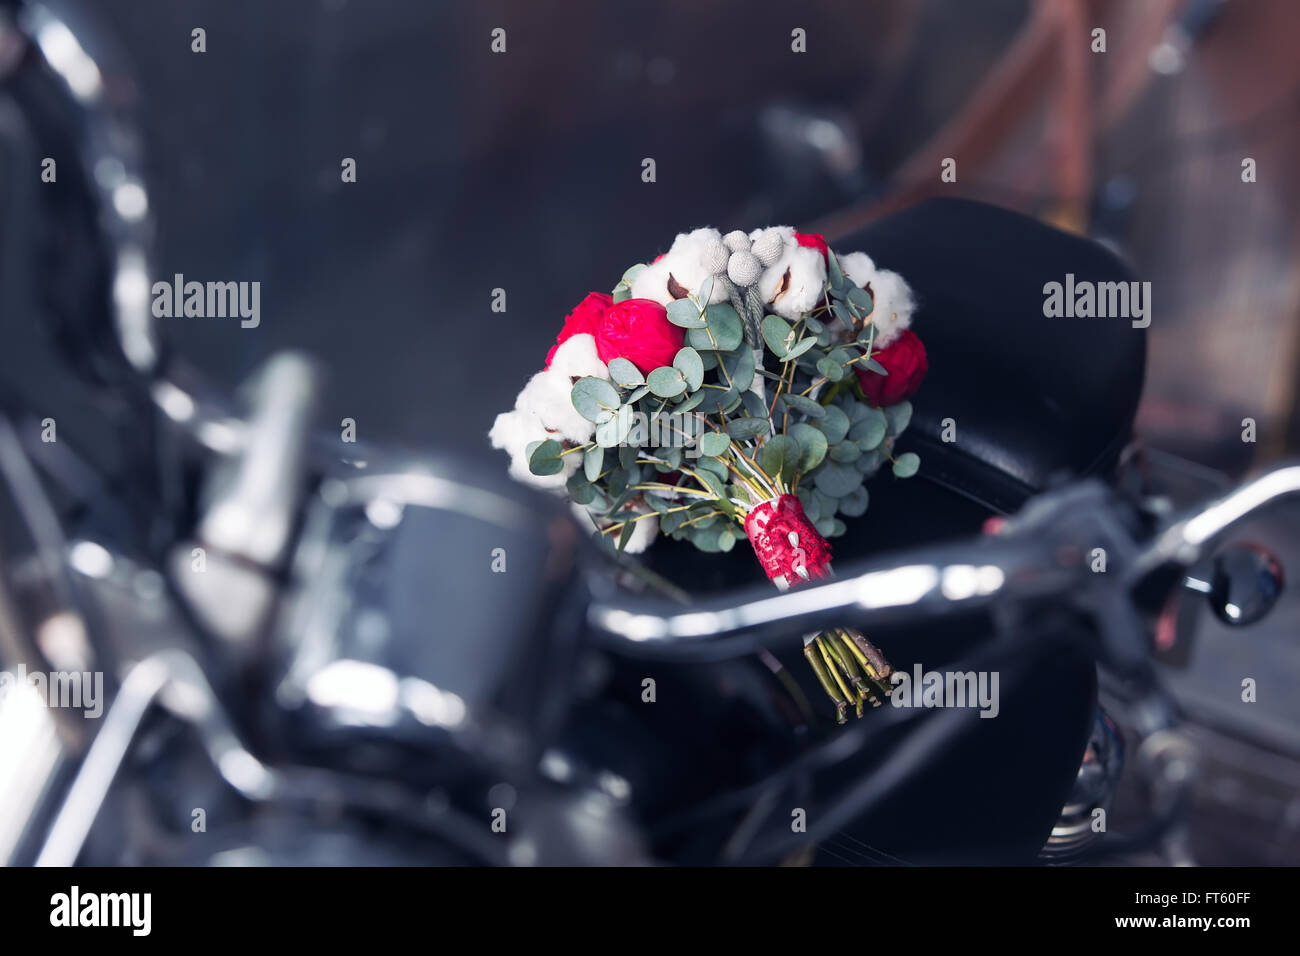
pixel 513 432
pixel 689 262
pixel 894 305
pixel 548 397
pixel 858 267
pixel 793 283
pixel 643 532
pixel 894 302
pixel 576 358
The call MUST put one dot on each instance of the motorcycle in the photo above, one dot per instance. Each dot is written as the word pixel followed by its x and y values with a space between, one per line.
pixel 313 653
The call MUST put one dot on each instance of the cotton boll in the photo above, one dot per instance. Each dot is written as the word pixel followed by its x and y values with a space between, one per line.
pixel 802 290
pixel 785 233
pixel 513 432
pixel 894 306
pixel 548 397
pixel 858 267
pixel 576 358
pixel 689 262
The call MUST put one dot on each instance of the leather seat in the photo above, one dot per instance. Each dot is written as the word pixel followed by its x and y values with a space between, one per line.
pixel 1032 397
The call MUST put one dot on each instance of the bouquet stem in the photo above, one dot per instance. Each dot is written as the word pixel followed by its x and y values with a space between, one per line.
pixel 851 670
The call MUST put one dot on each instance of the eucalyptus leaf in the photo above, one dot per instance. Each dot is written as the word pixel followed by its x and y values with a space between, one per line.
pixel 691 402
pixel 579 489
pixel 545 459
pixel 826 505
pixel 855 505
pixel 834 274
pixel 595 399
pixel 724 327
pixel 861 298
pixel 745 428
pixel 712 464
pixel 831 369
pixel 778 335
pixel 837 480
pixel 593 462
pixel 870 430
pixel 625 374
pixel 624 536
pixel 739 366
pixel 715 443
pixel 780 456
pixel 804 406
pixel 726 538
pixel 800 347
pixel 717 398
pixel 843 314
pixel 754 406
pixel 835 425
pixel 687 361
pixel 812 445
pixel 906 464
pixel 845 452
pixel 666 382
pixel 716 485
pixel 686 314
pixel 899 416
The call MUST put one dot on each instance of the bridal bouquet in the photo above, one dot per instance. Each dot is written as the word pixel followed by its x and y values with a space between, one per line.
pixel 738 386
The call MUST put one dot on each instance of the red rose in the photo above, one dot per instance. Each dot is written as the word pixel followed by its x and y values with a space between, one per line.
pixel 812 240
pixel 639 331
pixel 905 361
pixel 585 317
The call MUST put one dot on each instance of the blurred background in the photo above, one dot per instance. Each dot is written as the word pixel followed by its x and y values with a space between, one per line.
pixel 522 171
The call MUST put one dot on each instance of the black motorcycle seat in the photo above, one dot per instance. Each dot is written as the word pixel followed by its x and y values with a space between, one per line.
pixel 1030 397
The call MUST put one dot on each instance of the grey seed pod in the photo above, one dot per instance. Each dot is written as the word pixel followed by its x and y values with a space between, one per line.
pixel 768 247
pixel 714 258
pixel 743 268
pixel 736 241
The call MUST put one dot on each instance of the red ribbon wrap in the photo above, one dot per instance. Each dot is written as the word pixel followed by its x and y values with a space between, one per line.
pixel 785 541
